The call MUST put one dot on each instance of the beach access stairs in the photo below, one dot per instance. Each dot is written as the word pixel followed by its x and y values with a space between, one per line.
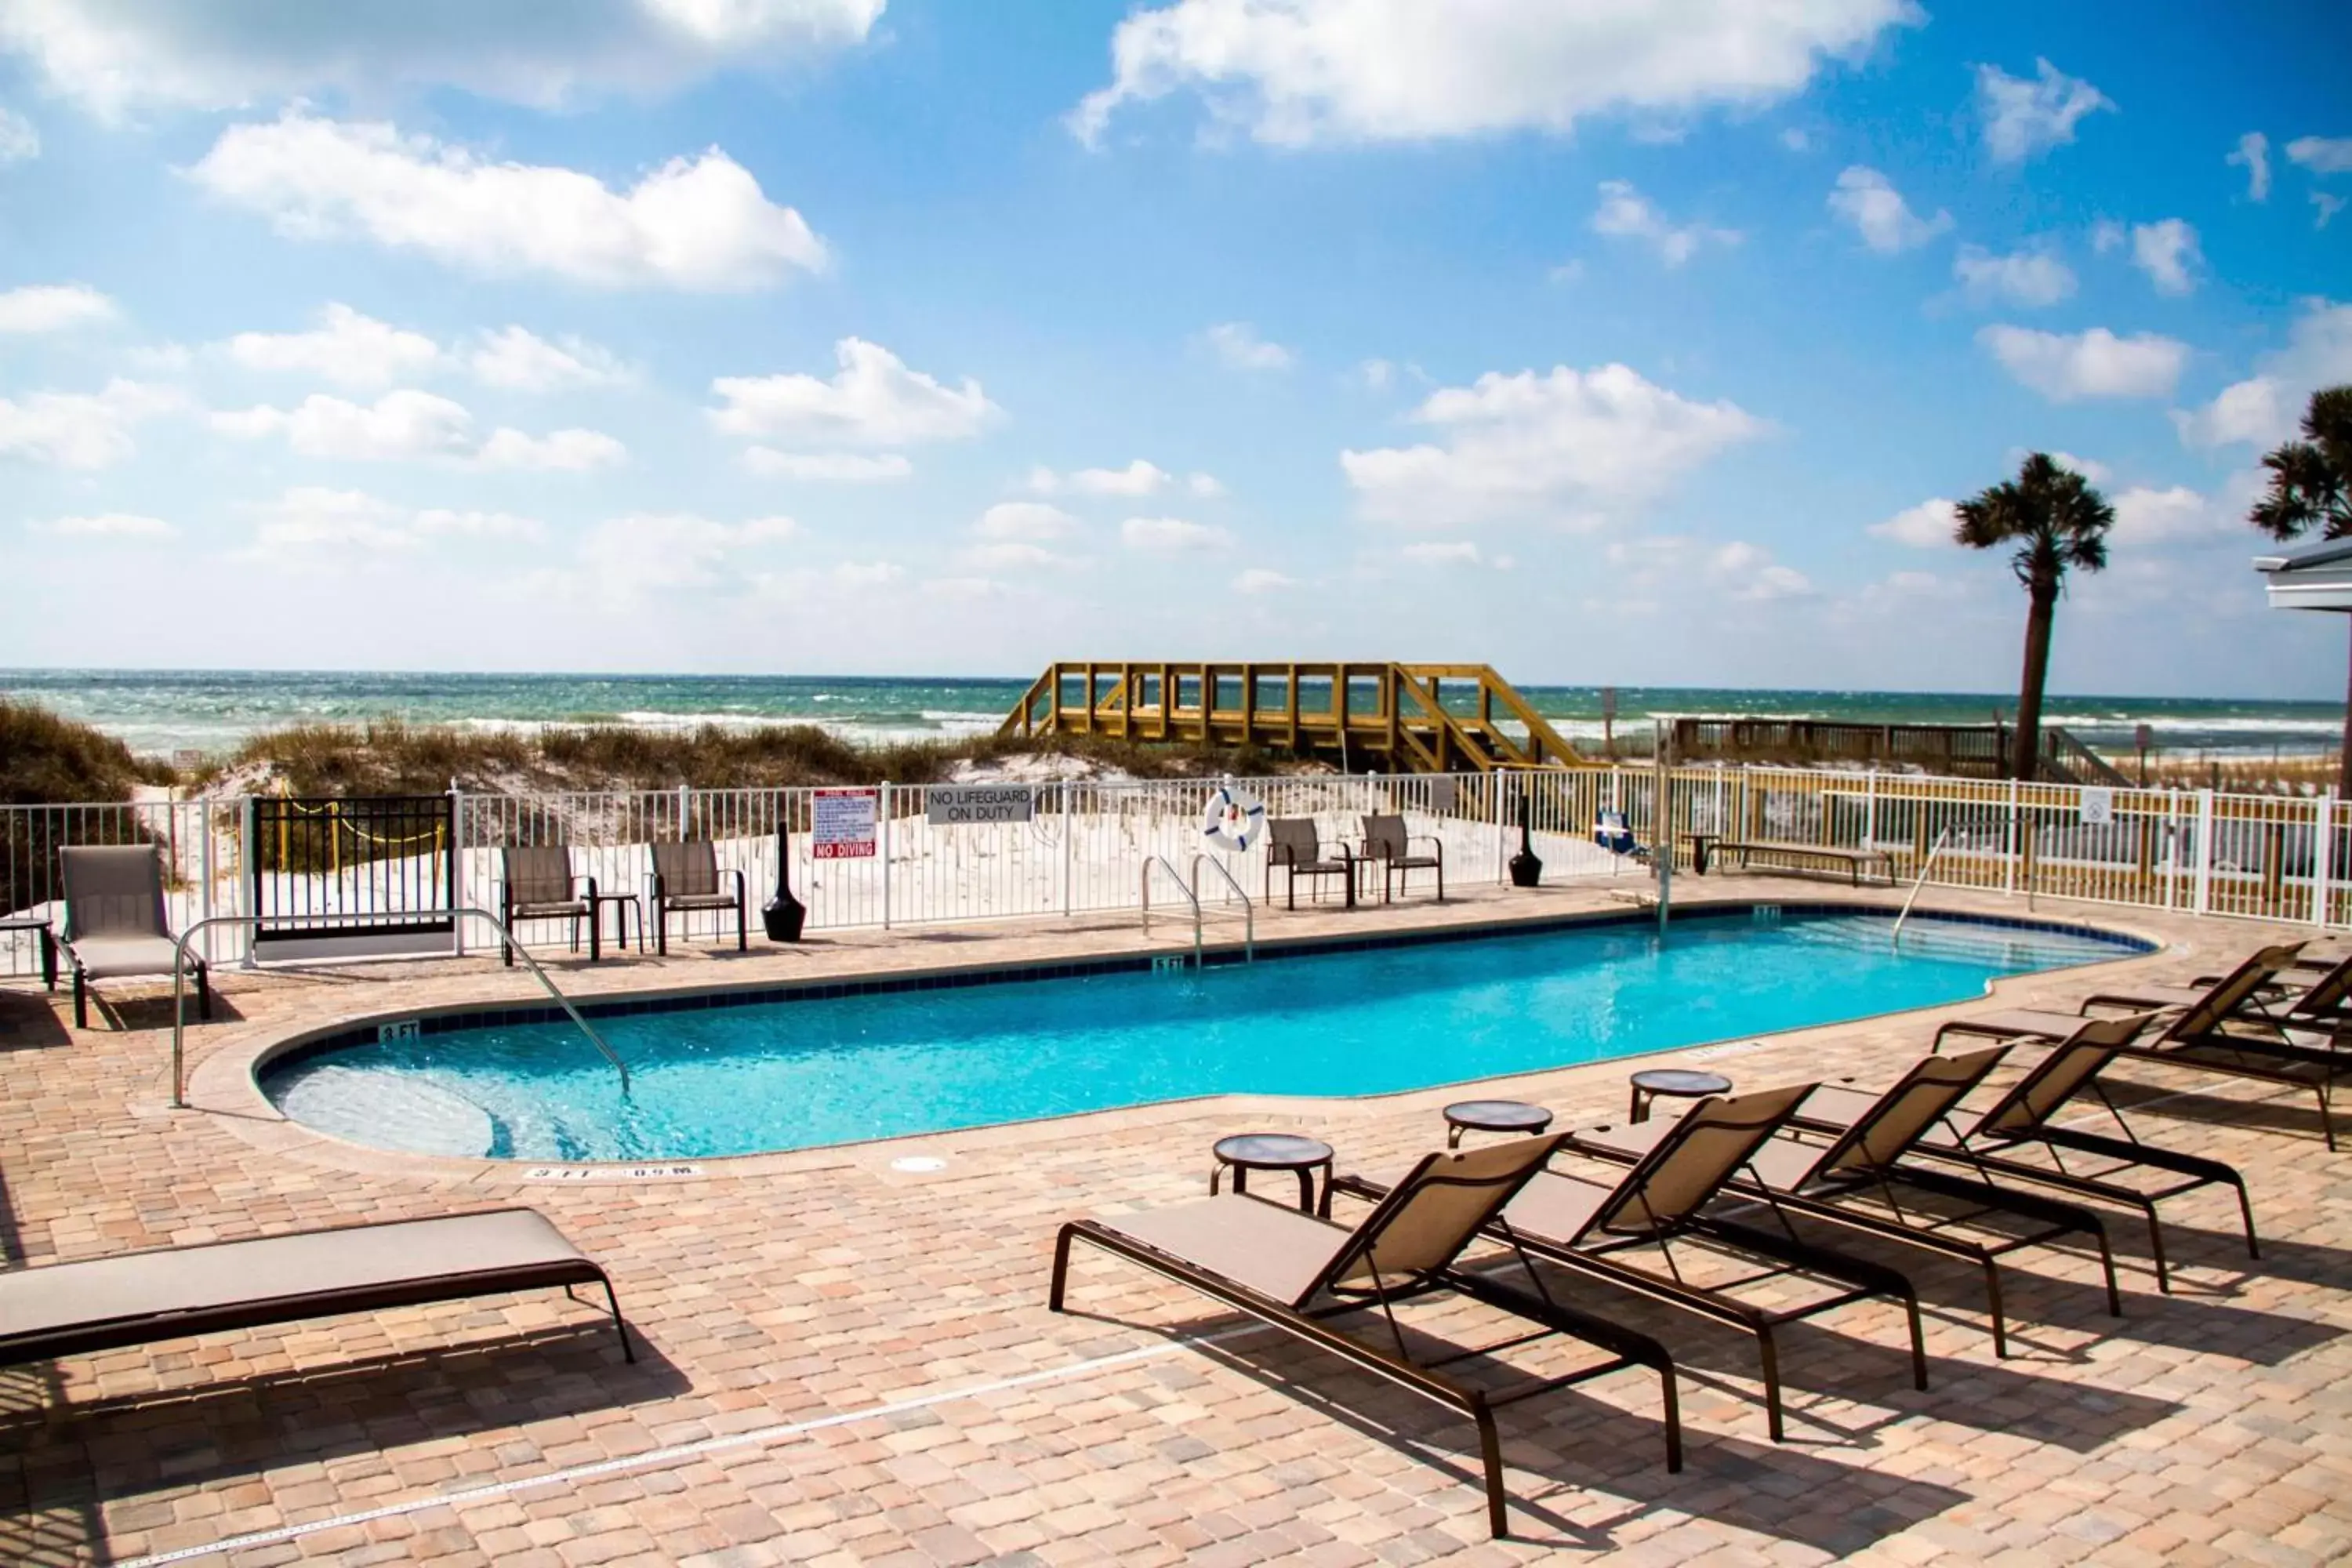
pixel 1392 718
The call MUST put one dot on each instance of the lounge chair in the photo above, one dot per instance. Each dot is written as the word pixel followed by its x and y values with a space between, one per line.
pixel 2316 1001
pixel 687 878
pixel 1292 1271
pixel 1821 1179
pixel 1388 845
pixel 1586 1224
pixel 2209 1036
pixel 116 927
pixel 537 884
pixel 1292 843
pixel 1612 833
pixel 2022 1119
pixel 172 1292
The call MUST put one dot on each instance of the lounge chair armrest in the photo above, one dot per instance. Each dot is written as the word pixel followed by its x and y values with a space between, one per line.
pixel 2118 1002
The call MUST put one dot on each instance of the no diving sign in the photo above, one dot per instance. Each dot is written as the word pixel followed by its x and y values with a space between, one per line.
pixel 842 824
pixel 957 806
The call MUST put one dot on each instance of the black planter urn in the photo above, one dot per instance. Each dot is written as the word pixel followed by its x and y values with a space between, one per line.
pixel 1527 871
pixel 783 915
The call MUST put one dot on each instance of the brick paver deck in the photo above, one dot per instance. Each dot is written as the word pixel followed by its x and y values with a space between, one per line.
pixel 850 1362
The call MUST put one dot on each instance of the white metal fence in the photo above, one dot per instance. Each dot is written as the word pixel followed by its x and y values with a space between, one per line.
pixel 1083 848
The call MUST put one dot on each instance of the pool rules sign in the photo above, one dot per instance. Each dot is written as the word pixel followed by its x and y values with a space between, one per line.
pixel 842 824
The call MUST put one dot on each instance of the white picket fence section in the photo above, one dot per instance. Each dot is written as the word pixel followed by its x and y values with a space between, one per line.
pixel 1083 849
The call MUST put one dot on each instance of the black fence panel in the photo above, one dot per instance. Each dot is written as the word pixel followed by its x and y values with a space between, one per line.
pixel 317 863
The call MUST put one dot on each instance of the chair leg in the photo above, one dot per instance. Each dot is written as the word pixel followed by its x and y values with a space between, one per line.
pixel 742 924
pixel 661 931
pixel 1769 1354
pixel 203 993
pixel 82 998
pixel 1490 1456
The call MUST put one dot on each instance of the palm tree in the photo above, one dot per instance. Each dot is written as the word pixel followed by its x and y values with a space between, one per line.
pixel 2311 489
pixel 2059 523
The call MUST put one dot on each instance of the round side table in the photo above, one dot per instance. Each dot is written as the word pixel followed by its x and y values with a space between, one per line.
pixel 1247 1151
pixel 1675 1083
pixel 1492 1116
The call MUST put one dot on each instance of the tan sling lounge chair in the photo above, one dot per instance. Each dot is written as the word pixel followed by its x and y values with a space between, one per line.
pixel 1292 1270
pixel 139 1298
pixel 538 884
pixel 2022 1120
pixel 1821 1178
pixel 2211 1034
pixel 1389 846
pixel 1588 1226
pixel 686 878
pixel 116 927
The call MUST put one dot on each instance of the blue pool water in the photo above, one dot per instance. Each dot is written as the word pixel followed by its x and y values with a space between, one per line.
pixel 742 1079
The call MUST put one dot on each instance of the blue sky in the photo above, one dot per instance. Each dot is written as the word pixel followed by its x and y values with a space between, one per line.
pixel 1635 343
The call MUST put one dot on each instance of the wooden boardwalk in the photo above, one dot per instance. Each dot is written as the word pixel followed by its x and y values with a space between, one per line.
pixel 1398 718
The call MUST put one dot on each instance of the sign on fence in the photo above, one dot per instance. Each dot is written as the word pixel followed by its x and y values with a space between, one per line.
pixel 843 822
pixel 955 805
pixel 2098 805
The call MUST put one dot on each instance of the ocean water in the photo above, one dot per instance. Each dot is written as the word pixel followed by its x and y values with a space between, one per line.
pixel 161 712
pixel 737 1080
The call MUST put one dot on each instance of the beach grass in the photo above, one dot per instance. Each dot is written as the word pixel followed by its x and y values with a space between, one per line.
pixel 45 757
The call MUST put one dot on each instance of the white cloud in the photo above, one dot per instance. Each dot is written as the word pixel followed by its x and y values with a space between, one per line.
pixel 873 401
pixel 2097 473
pixel 479 524
pixel 2027 278
pixel 1795 140
pixel 408 424
pixel 1025 521
pixel 2106 234
pixel 1262 579
pixel 1012 555
pixel 699 224
pixel 2173 516
pixel 624 557
pixel 1237 345
pixel 53 308
pixel 2321 154
pixel 2266 408
pixel 1566 446
pixel 2253 154
pixel 18 138
pixel 2063 367
pixel 1137 479
pixel 346 348
pixel 106 525
pixel 1172 536
pixel 113 55
pixel 963 589
pixel 1375 374
pixel 570 451
pixel 312 516
pixel 1652 567
pixel 1306 71
pixel 1208 487
pixel 1433 553
pixel 2023 117
pixel 2327 204
pixel 827 467
pixel 1927 526
pixel 1867 200
pixel 518 358
pixel 1625 214
pixel 80 429
pixel 2166 251
pixel 405 424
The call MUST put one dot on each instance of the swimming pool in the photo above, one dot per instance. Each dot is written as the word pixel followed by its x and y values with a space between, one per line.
pixel 716 1079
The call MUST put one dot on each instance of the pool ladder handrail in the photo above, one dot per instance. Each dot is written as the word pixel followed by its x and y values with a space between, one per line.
pixel 180 974
pixel 1249 909
pixel 1190 897
pixel 1919 882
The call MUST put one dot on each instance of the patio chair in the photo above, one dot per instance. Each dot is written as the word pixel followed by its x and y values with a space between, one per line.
pixel 116 927
pixel 2022 1118
pixel 2323 1005
pixel 2211 1034
pixel 1294 1271
pixel 175 1292
pixel 1823 1179
pixel 687 878
pixel 536 883
pixel 1292 843
pixel 1388 845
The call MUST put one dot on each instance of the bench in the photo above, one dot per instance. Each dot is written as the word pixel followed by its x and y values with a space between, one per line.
pixel 172 1292
pixel 1851 860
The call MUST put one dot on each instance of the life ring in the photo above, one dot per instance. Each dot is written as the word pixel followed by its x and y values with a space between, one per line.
pixel 1234 821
